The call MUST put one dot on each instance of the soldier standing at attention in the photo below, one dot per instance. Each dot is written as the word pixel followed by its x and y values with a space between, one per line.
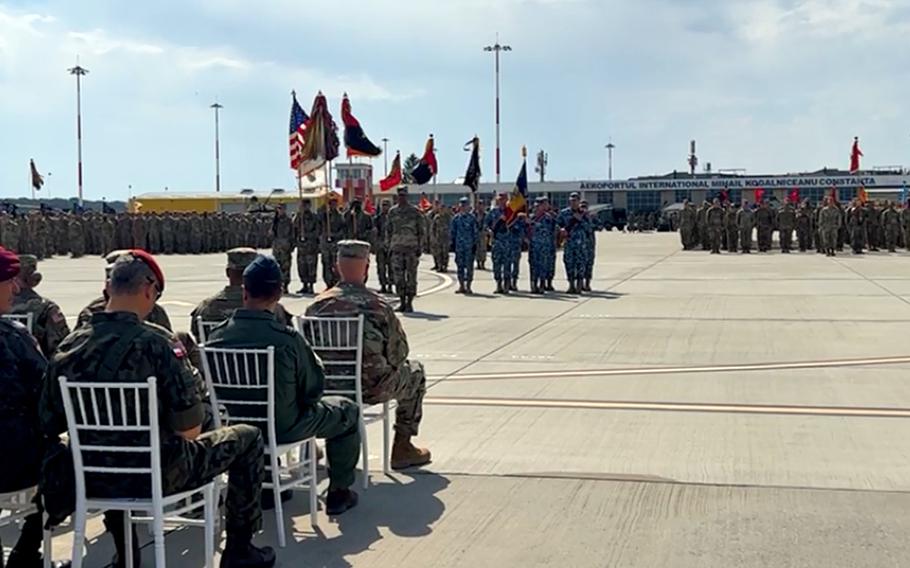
pixel 406 239
pixel 358 225
pixel 730 226
pixel 764 222
pixel 829 221
pixel 905 224
pixel 745 220
pixel 687 225
pixel 856 226
pixel 480 213
pixel 714 220
pixel 701 226
pixel 804 226
pixel 383 257
pixel 572 221
pixel 48 323
pixel 21 377
pixel 518 230
pixel 786 221
pixel 283 241
pixel 441 222
pixel 891 225
pixel 542 245
pixel 301 410
pixel 75 232
pixel 388 374
pixel 873 226
pixel 219 307
pixel 117 346
pixel 306 227
pixel 464 233
pixel 331 230
pixel 495 223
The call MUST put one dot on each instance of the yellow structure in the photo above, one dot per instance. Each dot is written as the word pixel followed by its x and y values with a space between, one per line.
pixel 226 202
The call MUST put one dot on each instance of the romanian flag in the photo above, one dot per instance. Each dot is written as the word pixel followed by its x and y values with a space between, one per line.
pixel 355 140
pixel 794 195
pixel 759 194
pixel 855 155
pixel 394 177
pixel 427 167
pixel 862 195
pixel 518 200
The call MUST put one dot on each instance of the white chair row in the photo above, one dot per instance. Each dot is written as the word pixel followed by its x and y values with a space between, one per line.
pixel 25 319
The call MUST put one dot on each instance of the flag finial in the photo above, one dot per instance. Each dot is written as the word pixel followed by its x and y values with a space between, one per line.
pixel 524 151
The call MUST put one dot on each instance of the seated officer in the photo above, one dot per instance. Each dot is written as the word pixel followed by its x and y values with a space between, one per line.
pixel 301 411
pixel 220 306
pixel 21 376
pixel 48 323
pixel 387 373
pixel 116 345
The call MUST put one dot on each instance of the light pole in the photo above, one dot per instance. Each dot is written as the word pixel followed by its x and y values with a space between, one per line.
pixel 385 157
pixel 217 107
pixel 609 148
pixel 496 48
pixel 79 71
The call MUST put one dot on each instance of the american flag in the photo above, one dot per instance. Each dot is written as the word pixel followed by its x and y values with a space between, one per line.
pixel 296 131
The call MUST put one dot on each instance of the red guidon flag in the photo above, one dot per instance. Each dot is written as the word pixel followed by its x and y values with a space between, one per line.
pixel 855 155
pixel 759 194
pixel 355 140
pixel 394 177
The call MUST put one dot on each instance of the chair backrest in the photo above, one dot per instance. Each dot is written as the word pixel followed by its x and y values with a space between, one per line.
pixel 205 327
pixel 100 416
pixel 242 382
pixel 339 343
pixel 25 319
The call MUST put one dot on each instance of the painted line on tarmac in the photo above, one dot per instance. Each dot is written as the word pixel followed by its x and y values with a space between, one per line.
pixel 446 282
pixel 767 409
pixel 795 365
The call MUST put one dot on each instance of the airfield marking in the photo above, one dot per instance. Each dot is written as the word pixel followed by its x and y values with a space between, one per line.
pixel 767 409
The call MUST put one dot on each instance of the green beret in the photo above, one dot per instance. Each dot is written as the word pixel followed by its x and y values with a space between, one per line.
pixel 241 257
pixel 353 249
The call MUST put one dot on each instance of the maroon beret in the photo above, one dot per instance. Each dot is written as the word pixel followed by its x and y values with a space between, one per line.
pixel 150 261
pixel 9 264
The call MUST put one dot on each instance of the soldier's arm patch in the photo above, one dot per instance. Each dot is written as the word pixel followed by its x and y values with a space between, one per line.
pixel 178 349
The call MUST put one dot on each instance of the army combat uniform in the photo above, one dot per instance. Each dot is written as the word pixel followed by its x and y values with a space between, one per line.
pixel 406 238
pixel 48 322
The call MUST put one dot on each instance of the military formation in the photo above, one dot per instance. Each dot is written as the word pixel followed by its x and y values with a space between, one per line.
pixel 826 228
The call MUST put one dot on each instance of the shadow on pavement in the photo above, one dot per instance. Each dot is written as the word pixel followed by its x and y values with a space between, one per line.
pixel 425 316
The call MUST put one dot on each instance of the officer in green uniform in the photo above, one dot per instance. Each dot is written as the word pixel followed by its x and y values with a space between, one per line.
pixel 301 410
pixel 48 323
pixel 388 374
pixel 117 346
pixel 220 306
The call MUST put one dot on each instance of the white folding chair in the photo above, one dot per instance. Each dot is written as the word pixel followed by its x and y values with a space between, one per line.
pixel 129 413
pixel 242 381
pixel 339 343
pixel 25 319
pixel 18 505
pixel 204 328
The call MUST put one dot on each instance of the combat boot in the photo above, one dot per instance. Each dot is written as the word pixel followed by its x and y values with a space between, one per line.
pixel 460 288
pixel 514 285
pixel 410 300
pixel 572 289
pixel 587 286
pixel 340 500
pixel 402 304
pixel 534 288
pixel 499 289
pixel 467 289
pixel 550 286
pixel 247 556
pixel 405 454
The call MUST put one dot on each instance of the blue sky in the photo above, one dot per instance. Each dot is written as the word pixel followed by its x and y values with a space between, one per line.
pixel 766 85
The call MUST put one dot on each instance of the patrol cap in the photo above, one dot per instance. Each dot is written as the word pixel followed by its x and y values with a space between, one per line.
pixel 542 199
pixel 402 190
pixel 28 263
pixel 241 257
pixel 354 249
pixel 9 265
pixel 262 276
pixel 574 195
pixel 463 200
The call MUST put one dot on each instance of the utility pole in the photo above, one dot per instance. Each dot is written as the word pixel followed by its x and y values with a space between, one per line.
pixel 79 71
pixel 609 148
pixel 385 157
pixel 217 107
pixel 541 168
pixel 495 49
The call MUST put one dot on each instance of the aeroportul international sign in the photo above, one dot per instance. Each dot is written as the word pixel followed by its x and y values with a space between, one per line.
pixel 747 182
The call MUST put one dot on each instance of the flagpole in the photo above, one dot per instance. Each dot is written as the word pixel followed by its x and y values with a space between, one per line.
pixel 79 71
pixel 31 180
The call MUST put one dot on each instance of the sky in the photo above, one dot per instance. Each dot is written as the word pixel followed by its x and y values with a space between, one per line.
pixel 769 86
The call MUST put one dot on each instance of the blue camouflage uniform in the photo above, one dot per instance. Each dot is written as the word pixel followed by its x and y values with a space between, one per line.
pixel 575 253
pixel 517 232
pixel 542 247
pixel 591 232
pixel 464 233
pixel 496 224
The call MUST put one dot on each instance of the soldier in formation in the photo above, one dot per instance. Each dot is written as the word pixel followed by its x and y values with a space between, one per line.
pixel 283 242
pixel 381 250
pixel 688 219
pixel 496 224
pixel 465 232
pixel 786 222
pixel 407 235
pixel 573 224
pixel 483 241
pixel 714 222
pixel 332 229
pixel 440 237
pixel 542 234
pixel 306 229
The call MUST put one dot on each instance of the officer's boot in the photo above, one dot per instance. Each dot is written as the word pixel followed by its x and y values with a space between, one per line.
pixel 402 303
pixel 499 289
pixel 113 522
pixel 587 287
pixel 460 287
pixel 410 304
pixel 467 288
pixel 550 286
pixel 405 454
pixel 534 289
pixel 572 289
pixel 514 286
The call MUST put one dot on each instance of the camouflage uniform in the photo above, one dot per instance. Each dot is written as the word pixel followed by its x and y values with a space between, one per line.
pixel 687 222
pixel 301 410
pixel 283 245
pixel 804 227
pixel 464 232
pixel 381 249
pixel 541 248
pixel 481 252
pixel 731 228
pixel 441 238
pixel 387 372
pixel 745 220
pixel 406 237
pixel 575 250
pixel 158 316
pixel 517 232
pixel 153 228
pixel 714 221
pixel 332 229
pixel 495 223
pixel 873 227
pixel 91 354
pixel 108 228
pixel 764 222
pixel 829 222
pixel 306 226
pixel 76 236
pixel 786 222
pixel 48 323
pixel 856 226
pixel 701 227
pixel 905 224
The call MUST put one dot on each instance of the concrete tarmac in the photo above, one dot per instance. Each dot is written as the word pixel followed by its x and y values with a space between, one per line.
pixel 695 411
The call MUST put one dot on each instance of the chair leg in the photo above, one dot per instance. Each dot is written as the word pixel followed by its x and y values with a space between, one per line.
pixel 279 509
pixel 211 507
pixel 79 518
pixel 386 435
pixel 366 454
pixel 128 538
pixel 160 558
pixel 314 503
